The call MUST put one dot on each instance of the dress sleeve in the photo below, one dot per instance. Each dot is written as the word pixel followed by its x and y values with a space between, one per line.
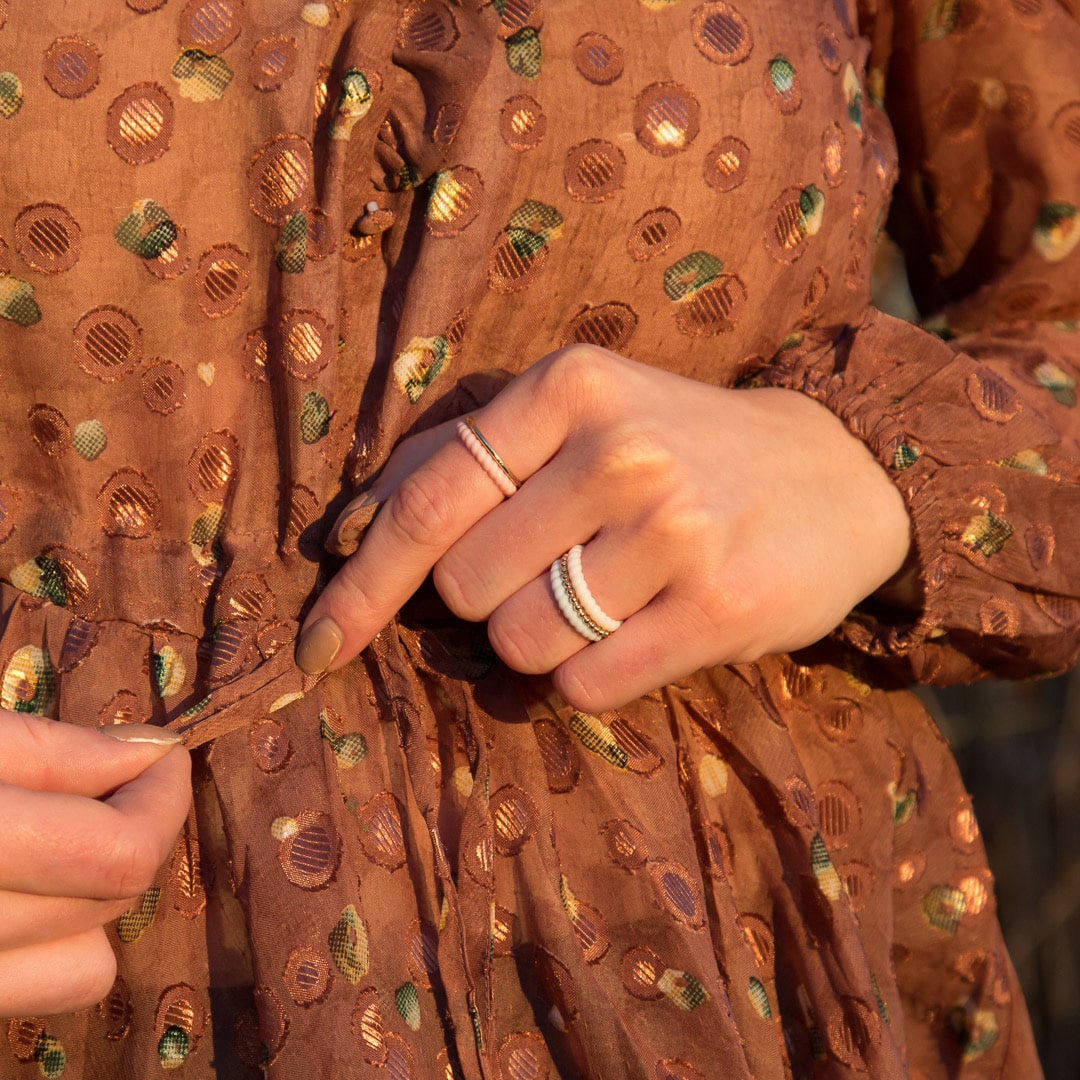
pixel 981 430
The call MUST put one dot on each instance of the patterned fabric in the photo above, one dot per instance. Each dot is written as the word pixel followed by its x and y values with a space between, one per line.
pixel 247 245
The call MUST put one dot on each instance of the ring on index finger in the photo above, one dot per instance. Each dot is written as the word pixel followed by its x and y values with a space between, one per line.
pixel 575 598
pixel 487 457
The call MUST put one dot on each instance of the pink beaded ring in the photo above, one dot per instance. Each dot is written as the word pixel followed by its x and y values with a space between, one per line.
pixel 486 457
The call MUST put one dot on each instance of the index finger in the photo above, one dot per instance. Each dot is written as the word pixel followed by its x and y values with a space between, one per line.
pixel 429 509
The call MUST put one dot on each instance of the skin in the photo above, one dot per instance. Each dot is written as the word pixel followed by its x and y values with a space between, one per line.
pixel 88 820
pixel 720 524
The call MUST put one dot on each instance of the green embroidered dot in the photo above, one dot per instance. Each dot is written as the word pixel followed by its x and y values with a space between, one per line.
pixel 904 456
pixel 975 1029
pixel 17 301
pixel 1057 230
pixel 532 225
pixel 987 533
pixel 691 274
pixel 292 245
pixel 759 998
pixel 1026 460
pixel 407 1001
pixel 824 872
pixel 853 96
pixel 882 1008
pixel 597 737
pixel 782 74
pixel 1061 384
pixel 50 1056
pixel 811 210
pixel 314 417
pixel 173 1047
pixel 137 920
pixel 682 989
pixel 944 907
pixel 11 94
pixel 201 76
pixel 904 806
pixel 349 748
pixel 204 538
pixel 28 685
pixel 524 53
pixel 941 19
pixel 147 231
pixel 349 946
pixel 353 103
pixel 41 576
pixel 168 670
pixel 89 439
pixel 419 364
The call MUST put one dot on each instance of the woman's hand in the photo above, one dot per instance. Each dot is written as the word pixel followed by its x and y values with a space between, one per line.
pixel 87 822
pixel 720 524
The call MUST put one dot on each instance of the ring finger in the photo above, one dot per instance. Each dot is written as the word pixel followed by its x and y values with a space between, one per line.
pixel 530 632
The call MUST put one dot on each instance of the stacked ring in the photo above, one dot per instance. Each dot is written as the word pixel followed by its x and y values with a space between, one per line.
pixel 575 599
pixel 486 457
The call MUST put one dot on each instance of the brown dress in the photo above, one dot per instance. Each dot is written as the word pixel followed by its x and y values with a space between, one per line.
pixel 246 245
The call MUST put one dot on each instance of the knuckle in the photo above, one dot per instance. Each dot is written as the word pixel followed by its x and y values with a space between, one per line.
pixel 584 376
pixel 519 649
pixel 460 589
pixel 421 511
pixel 135 863
pixel 96 974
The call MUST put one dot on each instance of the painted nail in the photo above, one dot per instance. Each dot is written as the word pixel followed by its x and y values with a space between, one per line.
pixel 141 733
pixel 318 646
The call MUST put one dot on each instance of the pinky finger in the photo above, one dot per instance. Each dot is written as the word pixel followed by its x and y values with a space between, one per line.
pixel 57 976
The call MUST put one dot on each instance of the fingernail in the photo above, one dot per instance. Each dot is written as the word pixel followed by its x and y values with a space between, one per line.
pixel 318 646
pixel 141 733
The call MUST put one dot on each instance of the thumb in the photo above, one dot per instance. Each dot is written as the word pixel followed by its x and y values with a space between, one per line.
pixel 47 755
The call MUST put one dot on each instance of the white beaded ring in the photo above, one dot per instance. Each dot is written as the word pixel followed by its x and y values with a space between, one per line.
pixel 486 457
pixel 592 609
pixel 570 596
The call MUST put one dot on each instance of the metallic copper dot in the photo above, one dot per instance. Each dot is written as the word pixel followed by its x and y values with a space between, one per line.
pixel 523 1056
pixel 163 387
pixel 307 975
pixel 310 855
pixel 961 110
pixel 456 197
pixel 833 146
pixel 367 1027
pixel 210 25
pixel 173 260
pixel 721 34
pixel 427 26
pixel 270 745
pixel 608 325
pixel 828 47
pixel 129 505
pixel 522 123
pixel 653 233
pixel 667 118
pixel 49 429
pixel 72 66
pixel 839 813
pixel 212 466
pixel 308 343
pixel 516 15
pixel 108 343
pixel 273 62
pixel 715 309
pixel 279 178
pixel 381 836
pixel 140 123
pixel 422 952
pixel 726 164
pixel 594 170
pixel 511 269
pixel 222 278
pixel 115 1011
pixel 513 815
pixel 641 969
pixel 48 238
pixel 598 58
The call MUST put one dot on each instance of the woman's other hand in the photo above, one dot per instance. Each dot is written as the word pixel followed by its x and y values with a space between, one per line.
pixel 719 524
pixel 88 820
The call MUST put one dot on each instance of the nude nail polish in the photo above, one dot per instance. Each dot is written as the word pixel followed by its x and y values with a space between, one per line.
pixel 141 733
pixel 318 646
